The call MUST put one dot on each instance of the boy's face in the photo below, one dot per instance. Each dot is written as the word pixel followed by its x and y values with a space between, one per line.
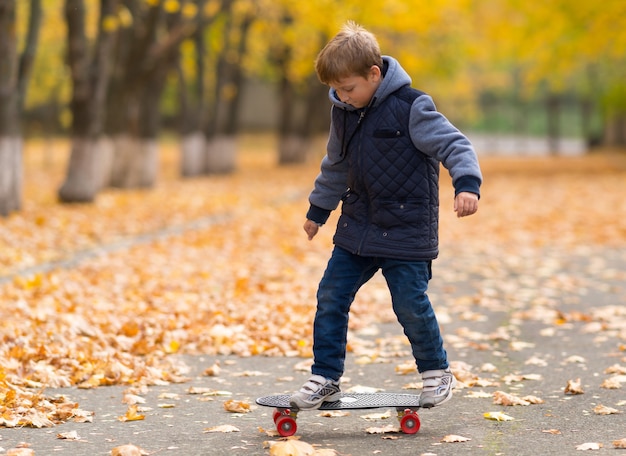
pixel 357 91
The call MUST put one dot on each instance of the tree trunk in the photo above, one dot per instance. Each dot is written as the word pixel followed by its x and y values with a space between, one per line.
pixel 221 152
pixel 14 75
pixel 90 154
pixel 222 131
pixel 194 155
pixel 135 162
pixel 192 108
pixel 88 169
pixel 615 131
pixel 553 111
pixel 146 55
pixel 10 174
pixel 288 140
pixel 296 132
pixel 293 148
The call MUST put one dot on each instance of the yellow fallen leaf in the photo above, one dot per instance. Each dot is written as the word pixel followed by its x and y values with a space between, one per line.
pixel 222 428
pixel 207 391
pixel 172 347
pixel 574 387
pixel 604 410
pixel 333 413
pixel 536 361
pixel 575 359
pixel 20 452
pixel 533 399
pixel 128 450
pixel 615 369
pixel 169 396
pixel 250 374
pixel 552 431
pixel 589 446
pixel 619 443
pixel 383 429
pixel 515 378
pixel 213 371
pixel 519 345
pixel 408 367
pixel 455 438
pixel 502 398
pixel 498 416
pixel 133 399
pixel 291 447
pixel 377 416
pixel 236 406
pixel 611 383
pixel 70 435
pixel 37 419
pixel 132 414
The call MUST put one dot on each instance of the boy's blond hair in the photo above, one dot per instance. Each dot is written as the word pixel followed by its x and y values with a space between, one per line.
pixel 352 52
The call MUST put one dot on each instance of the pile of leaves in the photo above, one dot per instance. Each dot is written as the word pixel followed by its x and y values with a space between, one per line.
pixel 102 294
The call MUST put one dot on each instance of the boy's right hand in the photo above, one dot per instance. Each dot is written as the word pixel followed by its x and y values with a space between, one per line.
pixel 311 228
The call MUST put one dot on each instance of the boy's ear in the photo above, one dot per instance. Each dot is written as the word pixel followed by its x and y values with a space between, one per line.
pixel 375 72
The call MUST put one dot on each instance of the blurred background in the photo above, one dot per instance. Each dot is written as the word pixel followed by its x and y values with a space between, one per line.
pixel 115 77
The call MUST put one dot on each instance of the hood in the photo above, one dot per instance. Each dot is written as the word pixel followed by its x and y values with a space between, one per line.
pixel 394 77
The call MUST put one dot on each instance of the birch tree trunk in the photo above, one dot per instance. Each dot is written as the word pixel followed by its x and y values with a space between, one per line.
pixel 89 164
pixel 14 75
pixel 135 162
pixel 146 54
pixel 10 173
pixel 223 126
pixel 193 154
pixel 192 111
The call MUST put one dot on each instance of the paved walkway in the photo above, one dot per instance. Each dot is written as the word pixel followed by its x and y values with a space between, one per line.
pixel 525 331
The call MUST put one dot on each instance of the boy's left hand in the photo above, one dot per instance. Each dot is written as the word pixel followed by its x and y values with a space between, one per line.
pixel 465 203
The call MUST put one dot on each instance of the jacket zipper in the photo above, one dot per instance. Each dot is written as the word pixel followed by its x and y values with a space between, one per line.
pixel 360 172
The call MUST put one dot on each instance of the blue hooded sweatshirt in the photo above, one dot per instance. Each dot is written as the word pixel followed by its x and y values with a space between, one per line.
pixel 382 163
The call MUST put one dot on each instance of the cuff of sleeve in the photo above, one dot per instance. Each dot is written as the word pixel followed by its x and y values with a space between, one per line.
pixel 317 214
pixel 467 184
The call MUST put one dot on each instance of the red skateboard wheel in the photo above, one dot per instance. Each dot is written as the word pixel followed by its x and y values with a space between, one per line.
pixel 286 426
pixel 410 423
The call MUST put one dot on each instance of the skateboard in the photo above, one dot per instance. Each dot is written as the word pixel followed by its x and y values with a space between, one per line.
pixel 405 404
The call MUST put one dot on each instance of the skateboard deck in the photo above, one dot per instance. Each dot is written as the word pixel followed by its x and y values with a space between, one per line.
pixel 405 404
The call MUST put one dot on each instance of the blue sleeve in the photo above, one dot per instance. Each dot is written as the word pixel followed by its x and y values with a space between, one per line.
pixel 434 135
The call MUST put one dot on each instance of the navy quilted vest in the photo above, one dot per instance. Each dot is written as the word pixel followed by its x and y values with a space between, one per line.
pixel 391 207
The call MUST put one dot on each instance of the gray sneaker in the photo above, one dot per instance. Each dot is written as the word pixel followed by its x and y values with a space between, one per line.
pixel 438 386
pixel 314 392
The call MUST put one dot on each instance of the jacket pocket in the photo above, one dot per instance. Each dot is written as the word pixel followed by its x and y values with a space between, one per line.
pixel 408 214
pixel 388 133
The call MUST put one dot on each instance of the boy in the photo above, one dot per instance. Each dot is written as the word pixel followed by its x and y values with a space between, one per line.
pixel 385 144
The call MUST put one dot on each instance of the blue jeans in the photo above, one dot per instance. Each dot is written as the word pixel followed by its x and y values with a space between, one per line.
pixel 407 282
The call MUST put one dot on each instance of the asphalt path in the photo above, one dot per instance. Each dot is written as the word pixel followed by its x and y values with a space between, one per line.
pixel 525 350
